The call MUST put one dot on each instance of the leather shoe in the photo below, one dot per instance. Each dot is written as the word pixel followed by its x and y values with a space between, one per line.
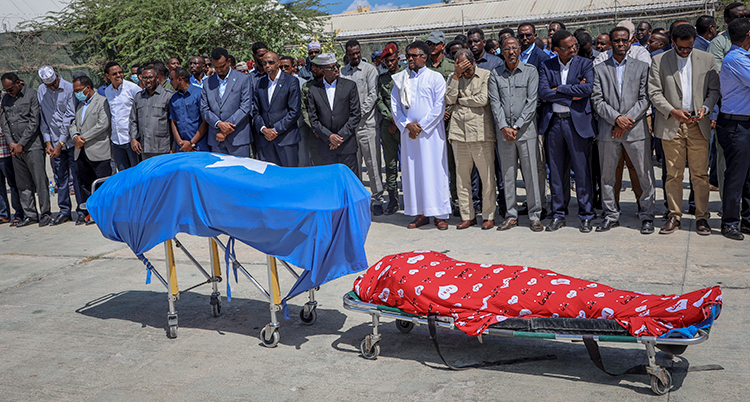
pixel 507 224
pixel 732 232
pixel 45 220
pixel 585 226
pixel 701 226
pixel 607 224
pixel 60 218
pixel 536 226
pixel 81 219
pixel 671 225
pixel 420 220
pixel 377 210
pixel 556 224
pixel 4 220
pixel 26 222
pixel 392 205
pixel 745 227
pixel 488 224
pixel 466 224
pixel 440 223
pixel 647 227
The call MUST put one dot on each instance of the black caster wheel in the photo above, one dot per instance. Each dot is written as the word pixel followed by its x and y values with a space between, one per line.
pixel 404 326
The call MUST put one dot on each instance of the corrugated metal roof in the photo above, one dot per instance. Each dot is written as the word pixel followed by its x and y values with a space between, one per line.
pixel 491 12
pixel 17 11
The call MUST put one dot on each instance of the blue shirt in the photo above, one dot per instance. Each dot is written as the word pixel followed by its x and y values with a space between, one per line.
pixel 223 83
pixel 524 56
pixel 58 109
pixel 489 62
pixel 84 107
pixel 620 71
pixel 701 43
pixel 735 82
pixel 185 111
pixel 197 83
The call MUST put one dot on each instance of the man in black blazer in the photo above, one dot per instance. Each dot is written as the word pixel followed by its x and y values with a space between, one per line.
pixel 530 53
pixel 333 107
pixel 275 115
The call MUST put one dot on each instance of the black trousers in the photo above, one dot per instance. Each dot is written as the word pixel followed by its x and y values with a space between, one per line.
pixel 734 138
pixel 31 174
pixel 89 171
pixel 350 160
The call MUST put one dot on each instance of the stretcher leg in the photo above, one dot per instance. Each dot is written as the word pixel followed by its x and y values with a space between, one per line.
pixel 308 315
pixel 213 250
pixel 370 346
pixel 174 293
pixel 661 379
pixel 270 333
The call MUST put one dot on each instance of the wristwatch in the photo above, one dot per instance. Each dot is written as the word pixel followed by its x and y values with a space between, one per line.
pixel 515 127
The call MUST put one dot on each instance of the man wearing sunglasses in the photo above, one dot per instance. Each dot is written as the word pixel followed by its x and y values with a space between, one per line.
pixel 313 49
pixel 276 114
pixel 684 87
pixel 530 53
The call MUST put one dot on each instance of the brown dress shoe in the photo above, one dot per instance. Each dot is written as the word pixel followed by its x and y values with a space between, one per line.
pixel 441 223
pixel 488 224
pixel 671 225
pixel 420 220
pixel 702 227
pixel 507 224
pixel 536 226
pixel 466 224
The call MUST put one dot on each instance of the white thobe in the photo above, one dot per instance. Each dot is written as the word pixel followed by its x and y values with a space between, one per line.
pixel 424 160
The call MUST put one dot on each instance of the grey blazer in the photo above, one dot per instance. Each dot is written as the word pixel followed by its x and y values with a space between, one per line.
pixel 609 103
pixel 94 127
pixel 664 89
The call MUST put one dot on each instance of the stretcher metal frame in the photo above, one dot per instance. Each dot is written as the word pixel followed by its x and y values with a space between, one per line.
pixel 661 379
pixel 269 334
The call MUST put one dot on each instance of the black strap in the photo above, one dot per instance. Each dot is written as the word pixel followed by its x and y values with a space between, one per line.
pixel 596 358
pixel 433 336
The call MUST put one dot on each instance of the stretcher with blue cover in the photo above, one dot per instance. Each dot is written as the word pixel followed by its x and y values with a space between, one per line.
pixel 315 219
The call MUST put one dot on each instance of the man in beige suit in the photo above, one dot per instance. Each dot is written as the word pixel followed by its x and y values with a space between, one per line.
pixel 90 132
pixel 684 87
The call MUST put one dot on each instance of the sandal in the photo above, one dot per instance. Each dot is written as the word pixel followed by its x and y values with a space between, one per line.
pixel 15 222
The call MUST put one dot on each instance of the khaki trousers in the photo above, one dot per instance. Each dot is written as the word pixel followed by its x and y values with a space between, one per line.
pixel 481 154
pixel 689 144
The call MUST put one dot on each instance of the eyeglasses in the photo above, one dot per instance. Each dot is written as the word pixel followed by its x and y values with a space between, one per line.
pixel 267 63
pixel 430 44
pixel 312 52
pixel 331 68
pixel 511 49
pixel 413 55
pixel 286 67
pixel 684 49
pixel 528 35
pixel 566 48
pixel 621 40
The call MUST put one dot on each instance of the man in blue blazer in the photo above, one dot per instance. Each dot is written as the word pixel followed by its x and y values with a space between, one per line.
pixel 530 54
pixel 565 86
pixel 276 111
pixel 226 105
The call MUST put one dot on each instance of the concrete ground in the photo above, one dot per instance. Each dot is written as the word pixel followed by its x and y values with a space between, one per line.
pixel 78 323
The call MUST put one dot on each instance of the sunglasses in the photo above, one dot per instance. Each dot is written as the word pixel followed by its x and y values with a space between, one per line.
pixel 286 67
pixel 528 35
pixel 684 49
pixel 412 55
pixel 268 63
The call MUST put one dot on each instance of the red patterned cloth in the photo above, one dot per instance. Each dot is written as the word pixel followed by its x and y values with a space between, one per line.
pixel 476 296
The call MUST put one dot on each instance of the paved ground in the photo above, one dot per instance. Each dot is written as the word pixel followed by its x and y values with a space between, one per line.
pixel 78 323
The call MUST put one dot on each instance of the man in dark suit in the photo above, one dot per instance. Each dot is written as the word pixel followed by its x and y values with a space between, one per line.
pixel 226 104
pixel 276 112
pixel 334 114
pixel 530 53
pixel 565 85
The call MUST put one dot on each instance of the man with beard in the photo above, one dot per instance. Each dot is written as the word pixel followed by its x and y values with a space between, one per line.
pixel 197 71
pixel 603 43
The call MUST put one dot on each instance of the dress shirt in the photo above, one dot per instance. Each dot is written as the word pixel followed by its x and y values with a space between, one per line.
pixel 149 120
pixel 514 90
pixel 524 56
pixel 735 82
pixel 701 43
pixel 471 120
pixel 272 85
pixel 564 70
pixel 58 109
pixel 197 83
pixel 120 102
pixel 223 83
pixel 84 107
pixel 185 111
pixel 620 71
pixel 330 90
pixel 685 65
pixel 489 61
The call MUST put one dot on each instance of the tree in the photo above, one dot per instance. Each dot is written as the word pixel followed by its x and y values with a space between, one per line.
pixel 142 30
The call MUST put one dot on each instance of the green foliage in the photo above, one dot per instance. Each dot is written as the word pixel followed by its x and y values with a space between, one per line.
pixel 136 31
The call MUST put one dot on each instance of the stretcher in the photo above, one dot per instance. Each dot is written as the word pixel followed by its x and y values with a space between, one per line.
pixel 310 219
pixel 429 288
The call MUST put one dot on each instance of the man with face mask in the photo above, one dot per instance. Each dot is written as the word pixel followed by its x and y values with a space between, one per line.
pixel 20 126
pixel 134 73
pixel 90 132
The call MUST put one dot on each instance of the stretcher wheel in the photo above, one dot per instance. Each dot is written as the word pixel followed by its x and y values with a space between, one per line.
pixel 172 332
pixel 371 354
pixel 404 326
pixel 658 387
pixel 672 349
pixel 309 318
pixel 216 309
pixel 273 341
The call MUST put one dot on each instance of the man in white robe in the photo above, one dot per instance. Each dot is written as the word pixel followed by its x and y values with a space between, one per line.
pixel 417 102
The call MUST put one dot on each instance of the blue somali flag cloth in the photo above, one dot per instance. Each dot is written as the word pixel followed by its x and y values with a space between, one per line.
pixel 315 218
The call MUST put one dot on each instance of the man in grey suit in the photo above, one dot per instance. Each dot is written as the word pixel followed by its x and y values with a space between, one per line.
pixel 683 86
pixel 150 133
pixel 90 132
pixel 19 118
pixel 226 105
pixel 621 101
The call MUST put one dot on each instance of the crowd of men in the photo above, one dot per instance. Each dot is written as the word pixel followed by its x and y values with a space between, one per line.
pixel 459 119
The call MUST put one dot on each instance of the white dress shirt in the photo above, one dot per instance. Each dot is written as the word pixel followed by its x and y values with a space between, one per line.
pixel 619 72
pixel 330 91
pixel 686 81
pixel 272 86
pixel 120 102
pixel 564 70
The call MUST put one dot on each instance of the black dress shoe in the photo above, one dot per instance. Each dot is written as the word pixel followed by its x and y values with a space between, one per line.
pixel 556 224
pixel 391 207
pixel 732 232
pixel 607 224
pixel 26 222
pixel 585 226
pixel 60 218
pixel 647 227
pixel 745 227
pixel 81 219
pixel 45 220
pixel 377 210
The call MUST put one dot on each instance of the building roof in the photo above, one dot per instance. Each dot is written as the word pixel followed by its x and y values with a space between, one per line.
pixel 17 11
pixel 497 13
